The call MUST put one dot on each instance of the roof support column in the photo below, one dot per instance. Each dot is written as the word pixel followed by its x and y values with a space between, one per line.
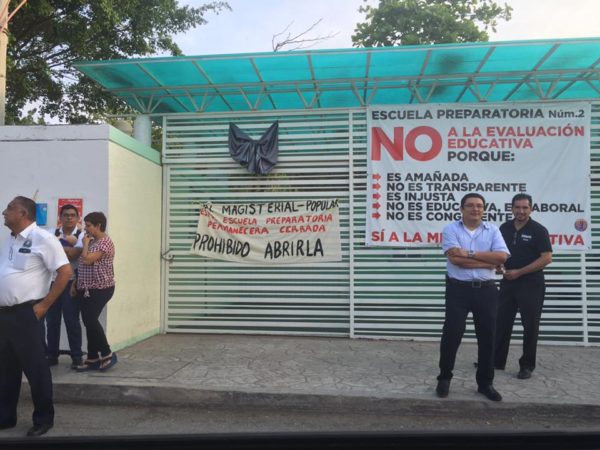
pixel 142 129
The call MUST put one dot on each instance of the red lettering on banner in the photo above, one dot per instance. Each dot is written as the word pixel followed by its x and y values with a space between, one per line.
pixel 397 147
pixel 379 138
pixel 415 238
pixel 566 239
pixel 434 237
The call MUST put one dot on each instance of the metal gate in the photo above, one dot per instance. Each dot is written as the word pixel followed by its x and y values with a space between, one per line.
pixel 373 292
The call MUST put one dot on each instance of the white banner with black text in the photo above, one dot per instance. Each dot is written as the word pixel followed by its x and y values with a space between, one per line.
pixel 282 232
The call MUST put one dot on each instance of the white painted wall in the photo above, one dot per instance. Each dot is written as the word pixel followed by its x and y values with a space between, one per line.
pixel 59 162
pixel 80 161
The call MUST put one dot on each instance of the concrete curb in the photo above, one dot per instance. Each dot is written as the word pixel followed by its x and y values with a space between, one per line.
pixel 153 395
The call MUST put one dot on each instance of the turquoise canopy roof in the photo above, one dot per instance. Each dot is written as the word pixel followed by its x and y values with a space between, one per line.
pixel 541 70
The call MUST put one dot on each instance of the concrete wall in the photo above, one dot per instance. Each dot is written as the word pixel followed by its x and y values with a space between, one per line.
pixel 112 173
pixel 58 162
pixel 134 194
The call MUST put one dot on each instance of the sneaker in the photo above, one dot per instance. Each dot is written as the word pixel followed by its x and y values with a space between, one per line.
pixel 76 362
pixel 108 362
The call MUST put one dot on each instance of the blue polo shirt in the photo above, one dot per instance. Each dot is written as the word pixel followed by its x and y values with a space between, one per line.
pixel 486 238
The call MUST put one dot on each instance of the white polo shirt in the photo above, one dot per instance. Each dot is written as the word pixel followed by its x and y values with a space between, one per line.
pixel 27 262
pixel 78 244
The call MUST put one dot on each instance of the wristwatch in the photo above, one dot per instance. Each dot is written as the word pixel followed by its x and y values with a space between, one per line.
pixel 470 253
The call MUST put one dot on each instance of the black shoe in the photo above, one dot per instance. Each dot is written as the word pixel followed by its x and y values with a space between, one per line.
pixel 38 430
pixel 52 360
pixel 524 374
pixel 442 389
pixel 490 393
pixel 8 424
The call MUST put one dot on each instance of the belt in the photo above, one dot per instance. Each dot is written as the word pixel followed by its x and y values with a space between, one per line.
pixel 18 306
pixel 472 284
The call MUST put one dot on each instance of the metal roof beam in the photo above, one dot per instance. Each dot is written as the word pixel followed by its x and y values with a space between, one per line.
pixel 420 77
pixel 157 81
pixel 482 63
pixel 358 95
pixel 410 85
pixel 597 89
pixel 440 79
pixel 207 78
pixel 366 84
pixel 312 77
pixel 534 70
pixel 260 78
pixel 588 73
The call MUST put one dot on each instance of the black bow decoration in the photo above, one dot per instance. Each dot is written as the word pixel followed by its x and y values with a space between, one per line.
pixel 258 157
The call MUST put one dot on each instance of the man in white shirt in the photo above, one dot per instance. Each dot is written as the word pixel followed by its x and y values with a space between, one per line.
pixel 28 258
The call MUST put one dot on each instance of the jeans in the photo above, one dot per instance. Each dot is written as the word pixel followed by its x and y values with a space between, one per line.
pixel 91 307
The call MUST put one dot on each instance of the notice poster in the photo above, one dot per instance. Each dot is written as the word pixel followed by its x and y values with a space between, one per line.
pixel 76 202
pixel 422 159
pixel 286 232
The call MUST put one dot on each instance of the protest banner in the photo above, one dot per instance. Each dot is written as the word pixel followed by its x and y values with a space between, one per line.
pixel 282 232
pixel 422 159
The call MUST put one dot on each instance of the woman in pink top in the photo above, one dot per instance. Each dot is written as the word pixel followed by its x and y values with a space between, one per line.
pixel 95 287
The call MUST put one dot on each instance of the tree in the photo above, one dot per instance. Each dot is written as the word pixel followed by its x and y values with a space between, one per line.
pixel 300 40
pixel 47 36
pixel 411 22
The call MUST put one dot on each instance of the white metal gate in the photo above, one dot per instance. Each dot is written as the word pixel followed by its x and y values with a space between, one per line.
pixel 373 292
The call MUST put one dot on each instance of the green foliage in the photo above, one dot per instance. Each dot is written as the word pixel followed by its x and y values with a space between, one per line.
pixel 413 22
pixel 47 36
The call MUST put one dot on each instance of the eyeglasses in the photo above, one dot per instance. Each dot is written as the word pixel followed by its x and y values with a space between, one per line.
pixel 10 253
pixel 473 206
pixel 69 215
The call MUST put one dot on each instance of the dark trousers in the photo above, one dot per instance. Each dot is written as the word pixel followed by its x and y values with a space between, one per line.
pixel 67 307
pixel 91 307
pixel 482 302
pixel 527 297
pixel 22 350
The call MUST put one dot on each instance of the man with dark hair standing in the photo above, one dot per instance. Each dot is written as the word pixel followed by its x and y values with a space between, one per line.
pixel 523 286
pixel 28 258
pixel 65 306
pixel 473 249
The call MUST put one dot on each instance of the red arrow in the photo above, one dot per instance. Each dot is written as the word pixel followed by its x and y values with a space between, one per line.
pixel 376 195
pixel 376 205
pixel 376 186
pixel 377 176
pixel 376 215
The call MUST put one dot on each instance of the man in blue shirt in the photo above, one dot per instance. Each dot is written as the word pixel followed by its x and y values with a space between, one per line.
pixel 474 248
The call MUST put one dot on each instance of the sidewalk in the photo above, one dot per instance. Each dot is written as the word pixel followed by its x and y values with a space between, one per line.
pixel 329 373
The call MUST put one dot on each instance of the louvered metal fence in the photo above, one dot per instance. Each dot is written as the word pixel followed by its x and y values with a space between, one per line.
pixel 372 292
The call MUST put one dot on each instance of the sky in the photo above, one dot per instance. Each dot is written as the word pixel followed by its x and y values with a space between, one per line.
pixel 251 24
